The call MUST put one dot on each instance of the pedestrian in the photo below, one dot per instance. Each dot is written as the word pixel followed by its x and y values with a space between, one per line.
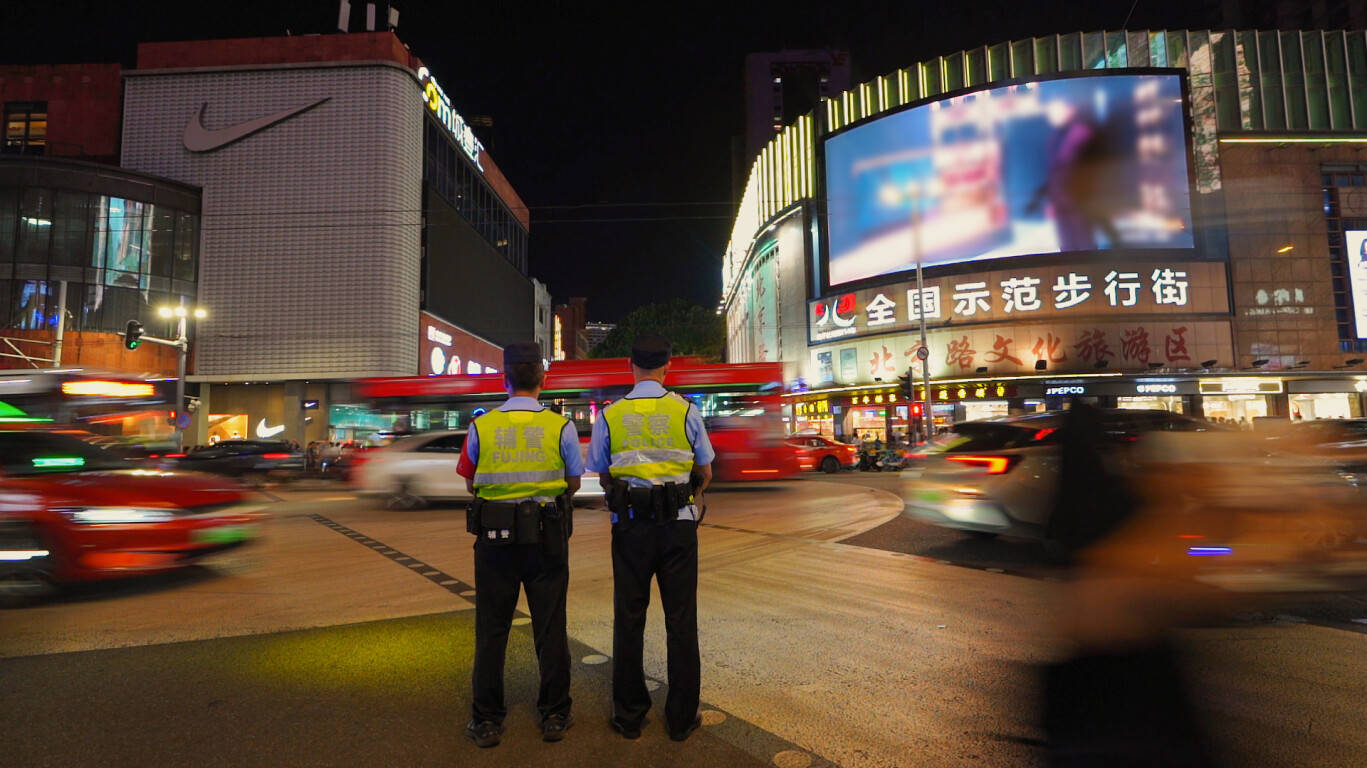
pixel 521 462
pixel 652 451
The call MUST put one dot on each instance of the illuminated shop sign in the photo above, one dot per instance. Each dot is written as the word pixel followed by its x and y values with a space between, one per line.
pixel 814 409
pixel 439 336
pixel 1029 294
pixel 1240 386
pixel 1009 349
pixel 981 390
pixel 437 102
pixel 1073 389
pixel 1076 164
pixel 1156 389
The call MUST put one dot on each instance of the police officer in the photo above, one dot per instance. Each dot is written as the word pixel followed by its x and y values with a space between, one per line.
pixel 522 464
pixel 652 451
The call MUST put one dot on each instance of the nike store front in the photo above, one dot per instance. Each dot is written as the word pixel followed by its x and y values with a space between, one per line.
pixel 343 195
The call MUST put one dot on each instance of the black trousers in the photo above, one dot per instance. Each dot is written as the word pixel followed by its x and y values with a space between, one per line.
pixel 669 553
pixel 499 573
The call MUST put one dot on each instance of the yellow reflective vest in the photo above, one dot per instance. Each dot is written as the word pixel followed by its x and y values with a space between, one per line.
pixel 519 456
pixel 647 439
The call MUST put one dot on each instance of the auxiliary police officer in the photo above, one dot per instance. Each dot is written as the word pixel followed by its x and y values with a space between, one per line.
pixel 652 452
pixel 522 464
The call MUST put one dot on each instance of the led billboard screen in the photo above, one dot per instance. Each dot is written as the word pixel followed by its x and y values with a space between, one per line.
pixel 1089 163
pixel 1356 242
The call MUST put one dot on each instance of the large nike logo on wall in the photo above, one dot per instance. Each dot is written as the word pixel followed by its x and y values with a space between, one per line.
pixel 201 139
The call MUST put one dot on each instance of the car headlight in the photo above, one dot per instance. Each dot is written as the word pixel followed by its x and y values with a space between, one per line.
pixel 108 515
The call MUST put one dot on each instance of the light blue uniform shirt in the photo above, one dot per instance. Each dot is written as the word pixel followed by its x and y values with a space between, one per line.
pixel 600 449
pixel 569 437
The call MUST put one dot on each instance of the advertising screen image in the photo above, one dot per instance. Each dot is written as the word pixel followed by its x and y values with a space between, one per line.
pixel 1356 242
pixel 1075 164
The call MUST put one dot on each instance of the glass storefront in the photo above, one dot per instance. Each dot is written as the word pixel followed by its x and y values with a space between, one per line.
pixel 1327 405
pixel 120 257
pixel 864 423
pixel 990 409
pixel 1235 409
pixel 1172 403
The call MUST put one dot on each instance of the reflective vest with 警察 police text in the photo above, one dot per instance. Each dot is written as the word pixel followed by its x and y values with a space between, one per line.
pixel 647 439
pixel 519 456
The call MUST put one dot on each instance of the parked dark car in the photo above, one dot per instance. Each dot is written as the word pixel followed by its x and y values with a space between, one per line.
pixel 254 462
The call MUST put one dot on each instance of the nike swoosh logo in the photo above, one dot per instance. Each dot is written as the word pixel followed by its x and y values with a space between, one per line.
pixel 201 139
pixel 265 433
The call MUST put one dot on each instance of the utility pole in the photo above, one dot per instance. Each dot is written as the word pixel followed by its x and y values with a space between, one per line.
pixel 927 418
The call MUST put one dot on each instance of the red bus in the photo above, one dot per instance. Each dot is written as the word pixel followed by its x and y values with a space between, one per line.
pixel 117 411
pixel 740 403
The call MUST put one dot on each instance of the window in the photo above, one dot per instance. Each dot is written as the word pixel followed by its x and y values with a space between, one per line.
pixel 70 228
pixel 35 225
pixel 186 247
pixel 25 127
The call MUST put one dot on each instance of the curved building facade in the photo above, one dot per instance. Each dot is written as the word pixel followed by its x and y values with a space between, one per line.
pixel 115 244
pixel 1162 219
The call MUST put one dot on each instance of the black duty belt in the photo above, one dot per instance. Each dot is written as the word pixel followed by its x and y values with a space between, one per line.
pixel 525 522
pixel 659 504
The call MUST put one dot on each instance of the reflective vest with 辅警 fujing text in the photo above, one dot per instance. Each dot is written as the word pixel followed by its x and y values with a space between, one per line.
pixel 519 456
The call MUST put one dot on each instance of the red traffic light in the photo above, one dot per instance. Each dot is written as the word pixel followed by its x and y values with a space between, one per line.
pixel 916 410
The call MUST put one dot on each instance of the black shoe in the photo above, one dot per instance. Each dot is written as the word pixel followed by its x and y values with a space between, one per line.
pixel 485 734
pixel 628 730
pixel 686 732
pixel 554 726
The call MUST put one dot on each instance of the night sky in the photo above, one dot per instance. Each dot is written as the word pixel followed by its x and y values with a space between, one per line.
pixel 613 122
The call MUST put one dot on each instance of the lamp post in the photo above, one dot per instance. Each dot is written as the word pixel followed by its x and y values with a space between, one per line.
pixel 927 417
pixel 182 344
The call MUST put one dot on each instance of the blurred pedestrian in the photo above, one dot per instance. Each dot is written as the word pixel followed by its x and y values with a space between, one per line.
pixel 521 462
pixel 652 450
pixel 1120 698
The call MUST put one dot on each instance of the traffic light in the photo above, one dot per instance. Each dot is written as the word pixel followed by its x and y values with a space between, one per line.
pixel 908 388
pixel 132 334
pixel 916 410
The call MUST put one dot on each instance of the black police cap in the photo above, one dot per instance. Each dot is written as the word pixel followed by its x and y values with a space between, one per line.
pixel 521 352
pixel 650 351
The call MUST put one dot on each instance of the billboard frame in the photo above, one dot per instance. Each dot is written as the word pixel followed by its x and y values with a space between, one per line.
pixel 823 255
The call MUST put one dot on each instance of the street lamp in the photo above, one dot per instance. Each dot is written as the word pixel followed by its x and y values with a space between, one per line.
pixel 915 190
pixel 182 345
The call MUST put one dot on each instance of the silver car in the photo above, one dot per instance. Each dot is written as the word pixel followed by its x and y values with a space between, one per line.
pixel 416 470
pixel 1000 477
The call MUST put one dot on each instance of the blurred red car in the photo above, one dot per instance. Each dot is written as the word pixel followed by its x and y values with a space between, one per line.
pixel 72 512
pixel 817 452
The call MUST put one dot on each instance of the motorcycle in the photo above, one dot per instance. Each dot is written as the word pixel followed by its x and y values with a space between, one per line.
pixel 891 460
pixel 881 459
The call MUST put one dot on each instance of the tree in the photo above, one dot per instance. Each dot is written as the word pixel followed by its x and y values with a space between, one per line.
pixel 693 330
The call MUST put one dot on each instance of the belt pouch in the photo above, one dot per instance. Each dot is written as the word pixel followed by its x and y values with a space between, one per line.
pixel 618 498
pixel 528 522
pixel 498 524
pixel 472 518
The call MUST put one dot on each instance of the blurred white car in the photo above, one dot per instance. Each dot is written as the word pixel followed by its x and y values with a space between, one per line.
pixel 422 468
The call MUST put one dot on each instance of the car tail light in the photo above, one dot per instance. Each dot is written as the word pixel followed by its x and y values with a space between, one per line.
pixel 174 456
pixel 995 465
pixel 275 455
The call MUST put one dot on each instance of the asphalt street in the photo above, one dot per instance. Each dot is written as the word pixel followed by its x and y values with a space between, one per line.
pixel 834 632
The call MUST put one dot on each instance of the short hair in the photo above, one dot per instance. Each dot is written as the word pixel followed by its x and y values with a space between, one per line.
pixel 525 376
